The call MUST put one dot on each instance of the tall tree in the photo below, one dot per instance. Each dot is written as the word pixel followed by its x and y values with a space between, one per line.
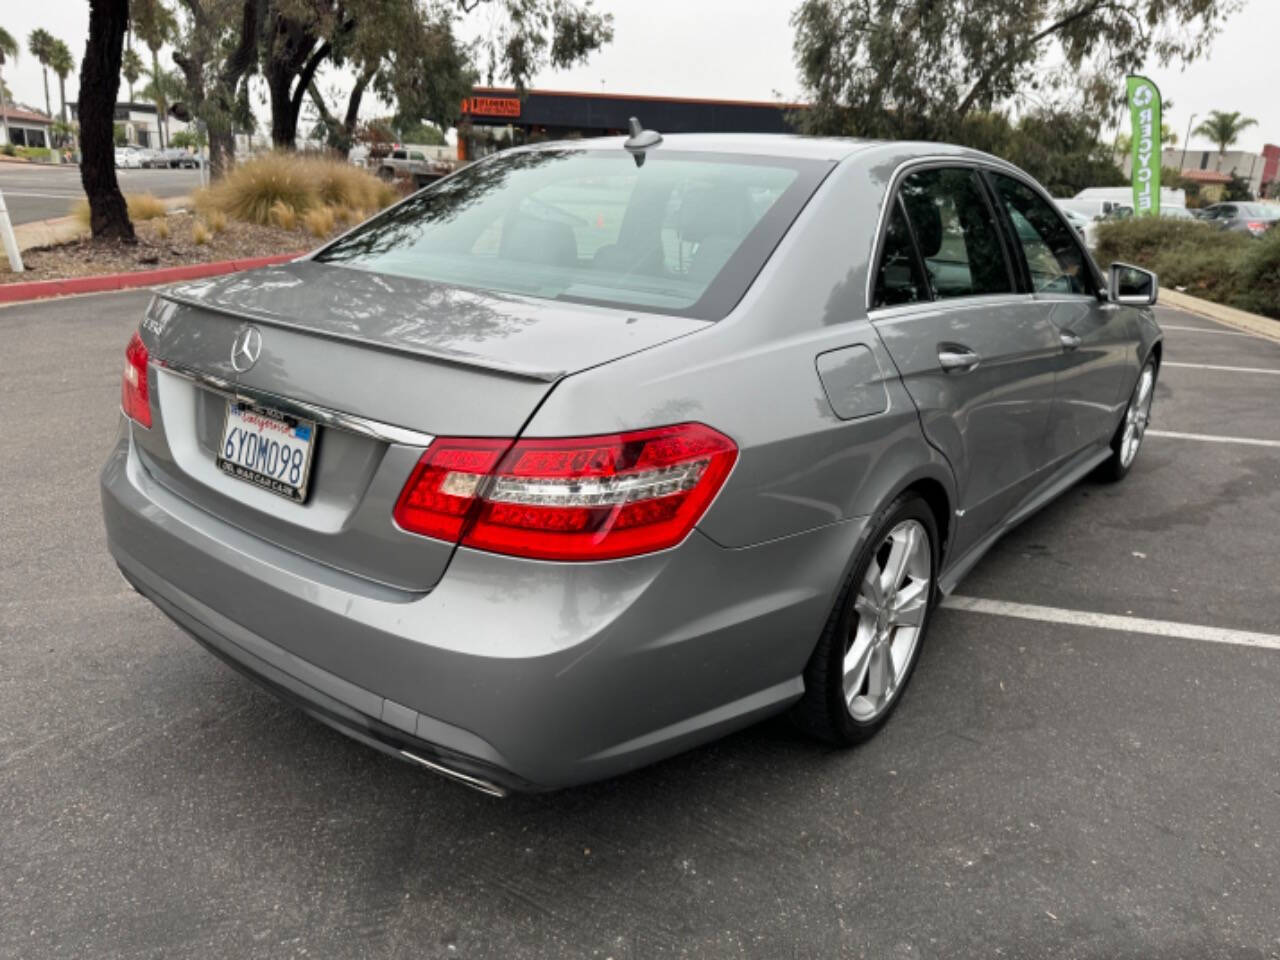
pixel 62 63
pixel 918 68
pixel 99 84
pixel 131 69
pixel 8 51
pixel 163 88
pixel 155 25
pixel 1223 127
pixel 407 51
pixel 40 45
pixel 217 50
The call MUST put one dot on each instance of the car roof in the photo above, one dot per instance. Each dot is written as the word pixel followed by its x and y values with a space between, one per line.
pixel 786 145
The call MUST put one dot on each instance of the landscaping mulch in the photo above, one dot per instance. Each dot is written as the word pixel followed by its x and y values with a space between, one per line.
pixel 88 257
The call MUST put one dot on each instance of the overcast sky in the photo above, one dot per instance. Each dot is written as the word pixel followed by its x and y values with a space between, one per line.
pixel 737 50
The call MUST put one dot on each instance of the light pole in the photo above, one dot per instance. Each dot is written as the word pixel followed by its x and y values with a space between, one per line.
pixel 1182 165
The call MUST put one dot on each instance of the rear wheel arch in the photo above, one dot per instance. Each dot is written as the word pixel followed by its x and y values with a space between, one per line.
pixel 935 494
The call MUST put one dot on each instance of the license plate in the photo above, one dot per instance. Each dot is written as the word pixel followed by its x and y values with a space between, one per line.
pixel 268 449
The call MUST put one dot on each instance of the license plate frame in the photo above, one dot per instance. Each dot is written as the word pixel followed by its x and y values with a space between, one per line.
pixel 280 428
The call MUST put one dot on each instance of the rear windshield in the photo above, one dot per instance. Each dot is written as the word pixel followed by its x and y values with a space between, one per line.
pixel 683 233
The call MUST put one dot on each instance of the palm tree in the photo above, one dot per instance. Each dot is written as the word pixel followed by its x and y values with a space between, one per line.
pixel 155 25
pixel 8 50
pixel 1224 127
pixel 63 63
pixel 131 69
pixel 40 43
pixel 162 89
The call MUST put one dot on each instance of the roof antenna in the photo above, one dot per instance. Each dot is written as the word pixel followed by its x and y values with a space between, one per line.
pixel 640 140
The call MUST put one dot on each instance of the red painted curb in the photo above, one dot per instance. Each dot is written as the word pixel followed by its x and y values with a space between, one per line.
pixel 40 289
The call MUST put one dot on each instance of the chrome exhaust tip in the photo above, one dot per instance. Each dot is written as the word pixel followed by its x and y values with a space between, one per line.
pixel 475 783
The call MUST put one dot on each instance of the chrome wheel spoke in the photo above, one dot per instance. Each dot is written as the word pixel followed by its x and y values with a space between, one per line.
pixel 895 567
pixel 856 663
pixel 872 590
pixel 882 674
pixel 910 604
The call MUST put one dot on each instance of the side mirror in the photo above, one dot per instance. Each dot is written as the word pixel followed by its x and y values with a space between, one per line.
pixel 1132 285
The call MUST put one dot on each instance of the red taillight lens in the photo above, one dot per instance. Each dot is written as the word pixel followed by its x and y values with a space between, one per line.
pixel 135 394
pixel 445 485
pixel 589 498
pixel 1257 226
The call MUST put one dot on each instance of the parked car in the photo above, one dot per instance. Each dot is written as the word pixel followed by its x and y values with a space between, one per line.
pixel 175 157
pixel 150 158
pixel 1254 219
pixel 128 157
pixel 598 450
pixel 414 164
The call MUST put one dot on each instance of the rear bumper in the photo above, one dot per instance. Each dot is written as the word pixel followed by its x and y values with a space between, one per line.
pixel 524 675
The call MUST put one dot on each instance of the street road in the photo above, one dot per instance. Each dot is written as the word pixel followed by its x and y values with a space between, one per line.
pixel 1056 784
pixel 42 192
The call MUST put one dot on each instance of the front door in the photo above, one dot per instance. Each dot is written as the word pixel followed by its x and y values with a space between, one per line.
pixel 975 354
pixel 1094 336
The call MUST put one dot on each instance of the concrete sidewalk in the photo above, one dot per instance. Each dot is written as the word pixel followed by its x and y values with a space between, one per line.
pixel 44 233
pixel 1251 322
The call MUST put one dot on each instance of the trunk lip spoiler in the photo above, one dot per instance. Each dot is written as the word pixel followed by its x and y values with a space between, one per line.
pixel 459 359
pixel 326 416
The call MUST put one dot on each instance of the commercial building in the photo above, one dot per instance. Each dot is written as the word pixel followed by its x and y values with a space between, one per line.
pixel 27 128
pixel 496 117
pixel 140 123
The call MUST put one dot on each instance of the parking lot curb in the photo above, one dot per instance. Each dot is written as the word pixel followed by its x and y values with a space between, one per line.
pixel 41 289
pixel 1240 319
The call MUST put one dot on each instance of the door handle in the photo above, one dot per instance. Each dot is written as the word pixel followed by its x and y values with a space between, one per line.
pixel 1069 340
pixel 957 359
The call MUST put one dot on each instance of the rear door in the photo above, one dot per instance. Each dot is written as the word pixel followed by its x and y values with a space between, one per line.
pixel 976 357
pixel 1095 341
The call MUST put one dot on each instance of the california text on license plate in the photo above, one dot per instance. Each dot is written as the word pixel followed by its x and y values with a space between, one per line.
pixel 268 449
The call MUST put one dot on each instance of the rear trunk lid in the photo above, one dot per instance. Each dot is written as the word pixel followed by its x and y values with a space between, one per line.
pixel 382 364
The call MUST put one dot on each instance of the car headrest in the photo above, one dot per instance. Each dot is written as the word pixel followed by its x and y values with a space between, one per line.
pixel 533 240
pixel 926 220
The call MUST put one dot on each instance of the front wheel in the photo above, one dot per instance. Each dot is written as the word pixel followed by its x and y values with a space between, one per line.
pixel 1128 436
pixel 872 639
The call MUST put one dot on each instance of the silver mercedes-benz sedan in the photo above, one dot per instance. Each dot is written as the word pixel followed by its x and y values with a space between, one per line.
pixel 594 451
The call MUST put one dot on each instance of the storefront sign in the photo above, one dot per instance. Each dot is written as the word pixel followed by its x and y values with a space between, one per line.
pixel 491 106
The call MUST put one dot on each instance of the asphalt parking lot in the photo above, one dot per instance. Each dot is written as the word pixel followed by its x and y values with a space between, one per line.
pixel 42 192
pixel 1086 765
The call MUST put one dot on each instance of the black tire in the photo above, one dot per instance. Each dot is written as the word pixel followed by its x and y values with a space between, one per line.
pixel 1115 468
pixel 822 712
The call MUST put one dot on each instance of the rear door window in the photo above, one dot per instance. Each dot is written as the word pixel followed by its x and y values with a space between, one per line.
pixel 956 233
pixel 1054 259
pixel 899 279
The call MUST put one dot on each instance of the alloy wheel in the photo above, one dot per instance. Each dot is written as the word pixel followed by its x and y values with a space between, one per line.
pixel 889 613
pixel 1137 417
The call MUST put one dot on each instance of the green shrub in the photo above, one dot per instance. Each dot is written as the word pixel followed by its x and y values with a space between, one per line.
pixel 35 153
pixel 9 150
pixel 1259 282
pixel 1230 268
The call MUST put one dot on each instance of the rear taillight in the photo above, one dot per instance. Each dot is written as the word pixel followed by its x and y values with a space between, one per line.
pixel 587 498
pixel 1257 226
pixel 135 394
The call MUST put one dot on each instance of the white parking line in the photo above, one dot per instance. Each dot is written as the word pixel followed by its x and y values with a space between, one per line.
pixel 1220 333
pixel 1217 366
pixel 1211 438
pixel 1110 621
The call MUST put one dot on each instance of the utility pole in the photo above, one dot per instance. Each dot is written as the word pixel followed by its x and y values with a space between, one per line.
pixel 1182 165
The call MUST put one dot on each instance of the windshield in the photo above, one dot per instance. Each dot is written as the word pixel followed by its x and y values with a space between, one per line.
pixel 683 233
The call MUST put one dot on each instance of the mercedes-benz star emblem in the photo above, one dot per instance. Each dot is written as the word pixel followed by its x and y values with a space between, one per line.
pixel 245 349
